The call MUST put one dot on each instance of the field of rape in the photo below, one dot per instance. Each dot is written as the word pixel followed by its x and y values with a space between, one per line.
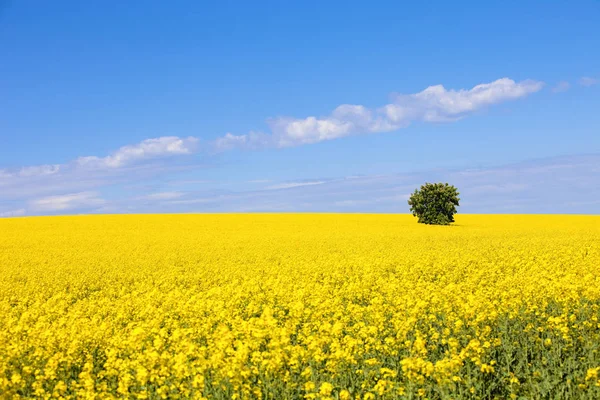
pixel 314 306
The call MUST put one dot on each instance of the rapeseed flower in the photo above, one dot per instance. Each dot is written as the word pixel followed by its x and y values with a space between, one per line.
pixel 292 306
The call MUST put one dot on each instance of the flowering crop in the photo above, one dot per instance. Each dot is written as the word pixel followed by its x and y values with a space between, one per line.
pixel 314 306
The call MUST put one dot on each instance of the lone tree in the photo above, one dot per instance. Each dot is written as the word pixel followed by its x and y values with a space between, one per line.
pixel 434 203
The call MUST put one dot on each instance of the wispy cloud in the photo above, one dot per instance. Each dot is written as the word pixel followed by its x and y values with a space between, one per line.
pixel 259 181
pixel 554 185
pixel 126 156
pixel 163 196
pixel 12 213
pixel 147 149
pixel 562 86
pixel 76 185
pixel 202 200
pixel 289 185
pixel 31 171
pixel 150 157
pixel 588 81
pixel 434 104
pixel 66 202
pixel 188 182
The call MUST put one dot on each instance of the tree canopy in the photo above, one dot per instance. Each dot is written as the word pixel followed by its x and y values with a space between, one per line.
pixel 434 203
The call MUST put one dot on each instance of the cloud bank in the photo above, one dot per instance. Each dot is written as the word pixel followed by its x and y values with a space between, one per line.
pixel 555 185
pixel 568 184
pixel 434 104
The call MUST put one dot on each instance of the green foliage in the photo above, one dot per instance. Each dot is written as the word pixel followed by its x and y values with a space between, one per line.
pixel 434 203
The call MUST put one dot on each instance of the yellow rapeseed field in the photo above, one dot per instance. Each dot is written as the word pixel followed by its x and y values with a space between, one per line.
pixel 286 306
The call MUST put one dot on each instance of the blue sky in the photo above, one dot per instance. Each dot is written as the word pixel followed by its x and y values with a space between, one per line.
pixel 152 106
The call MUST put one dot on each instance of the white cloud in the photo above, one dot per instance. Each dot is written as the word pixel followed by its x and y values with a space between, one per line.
pixel 39 170
pixel 556 185
pixel 12 213
pixel 562 86
pixel 437 104
pixel 143 159
pixel 252 140
pixel 189 182
pixel 127 155
pixel 289 185
pixel 587 81
pixel 202 200
pixel 42 188
pixel 147 149
pixel 34 171
pixel 66 202
pixel 5 175
pixel 434 104
pixel 164 196
pixel 259 181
